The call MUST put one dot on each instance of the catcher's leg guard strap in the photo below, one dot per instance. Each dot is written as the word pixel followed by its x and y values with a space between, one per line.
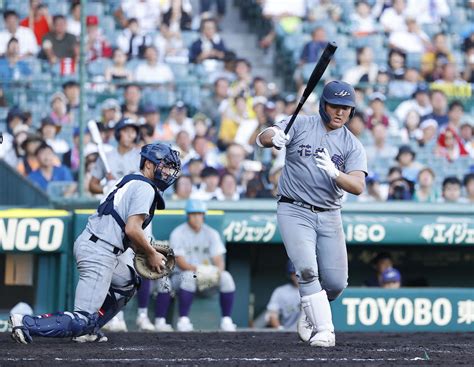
pixel 116 299
pixel 62 324
pixel 317 309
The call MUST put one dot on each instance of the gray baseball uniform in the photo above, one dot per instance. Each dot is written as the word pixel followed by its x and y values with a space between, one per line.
pixel 286 302
pixel 307 233
pixel 99 267
pixel 120 165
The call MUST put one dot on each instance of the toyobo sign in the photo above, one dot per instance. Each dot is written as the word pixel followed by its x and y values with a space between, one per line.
pixel 426 309
pixel 32 234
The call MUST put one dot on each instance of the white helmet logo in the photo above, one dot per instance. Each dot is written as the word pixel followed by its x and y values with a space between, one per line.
pixel 342 93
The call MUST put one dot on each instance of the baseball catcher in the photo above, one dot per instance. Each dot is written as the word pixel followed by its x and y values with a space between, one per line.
pixel 106 280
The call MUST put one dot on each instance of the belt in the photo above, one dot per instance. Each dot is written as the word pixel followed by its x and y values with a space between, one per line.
pixel 313 208
pixel 94 239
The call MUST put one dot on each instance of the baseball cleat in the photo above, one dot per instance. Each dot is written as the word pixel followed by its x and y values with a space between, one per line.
pixel 325 338
pixel 20 333
pixel 115 325
pixel 161 325
pixel 144 323
pixel 98 337
pixel 184 324
pixel 227 324
pixel 304 328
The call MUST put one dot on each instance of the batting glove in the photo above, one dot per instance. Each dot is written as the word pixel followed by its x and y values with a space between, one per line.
pixel 280 139
pixel 323 161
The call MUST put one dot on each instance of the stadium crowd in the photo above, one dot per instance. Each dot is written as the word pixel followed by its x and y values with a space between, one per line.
pixel 164 64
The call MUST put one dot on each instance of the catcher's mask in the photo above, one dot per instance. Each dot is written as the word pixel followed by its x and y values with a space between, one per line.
pixel 336 93
pixel 167 163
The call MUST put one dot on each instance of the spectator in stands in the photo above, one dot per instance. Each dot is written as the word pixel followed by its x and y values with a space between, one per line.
pixel 74 20
pixel 429 129
pixel 433 59
pixel 178 119
pixel 356 125
pixel 15 117
pixel 366 70
pixel 428 11
pixel 110 115
pixel 424 190
pixel 202 123
pixel 24 35
pixel 382 83
pixel 131 106
pixel 377 114
pixel 227 188
pixel 396 64
pixel 439 103
pixel 284 307
pixel 171 46
pixel 243 81
pixel 391 278
pixel 313 49
pixel 179 16
pixel 215 105
pixel 450 145
pixel 238 124
pixel 132 41
pixel 58 44
pixel 48 172
pixel 411 128
pixel 381 149
pixel 451 190
pixel 38 20
pixel 455 115
pixel 209 185
pixel 3 100
pixel 194 169
pixel 260 87
pixel 394 18
pixel 49 130
pixel 147 13
pixel 420 102
pixel 209 46
pixel 206 5
pixel 71 90
pixel 206 150
pixel 96 44
pixel 381 262
pixel 71 159
pixel 413 39
pixel 118 72
pixel 323 10
pixel 372 193
pixel 59 115
pixel 362 21
pixel 449 77
pixel 153 71
pixel 15 152
pixel 466 133
pixel 183 187
pixel 468 182
pixel 400 189
pixel 28 163
pixel 468 73
pixel 146 135
pixel 184 147
pixel 151 116
pixel 235 155
pixel 406 87
pixel 12 68
pixel 406 161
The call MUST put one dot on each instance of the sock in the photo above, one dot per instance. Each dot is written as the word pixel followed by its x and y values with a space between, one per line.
pixel 144 293
pixel 227 301
pixel 162 304
pixel 185 302
pixel 142 311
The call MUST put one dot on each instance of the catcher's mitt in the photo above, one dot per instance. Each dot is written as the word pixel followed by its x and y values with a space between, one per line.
pixel 141 264
pixel 207 276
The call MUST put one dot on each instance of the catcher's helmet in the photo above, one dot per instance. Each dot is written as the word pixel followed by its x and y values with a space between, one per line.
pixel 336 93
pixel 195 206
pixel 163 156
pixel 124 122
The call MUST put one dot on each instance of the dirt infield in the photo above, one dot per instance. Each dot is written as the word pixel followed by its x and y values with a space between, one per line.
pixel 244 349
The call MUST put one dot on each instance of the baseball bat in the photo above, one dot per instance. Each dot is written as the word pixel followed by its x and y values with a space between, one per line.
pixel 314 79
pixel 97 139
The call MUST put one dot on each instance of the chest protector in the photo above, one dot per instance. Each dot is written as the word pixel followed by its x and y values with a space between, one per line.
pixel 107 206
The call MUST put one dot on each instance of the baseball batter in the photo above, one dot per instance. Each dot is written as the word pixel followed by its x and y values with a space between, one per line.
pixel 106 280
pixel 322 160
